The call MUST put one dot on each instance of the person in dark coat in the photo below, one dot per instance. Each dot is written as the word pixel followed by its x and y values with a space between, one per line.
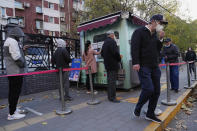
pixel 112 58
pixel 61 59
pixel 146 44
pixel 191 57
pixel 170 53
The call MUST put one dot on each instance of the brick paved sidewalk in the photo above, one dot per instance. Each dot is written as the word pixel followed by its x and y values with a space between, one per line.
pixel 106 116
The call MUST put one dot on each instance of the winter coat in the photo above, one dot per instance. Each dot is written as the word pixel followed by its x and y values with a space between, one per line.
pixel 61 58
pixel 171 53
pixel 145 48
pixel 14 57
pixel 190 56
pixel 111 55
pixel 90 60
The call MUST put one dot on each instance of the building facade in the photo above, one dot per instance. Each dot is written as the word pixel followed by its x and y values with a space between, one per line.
pixel 48 17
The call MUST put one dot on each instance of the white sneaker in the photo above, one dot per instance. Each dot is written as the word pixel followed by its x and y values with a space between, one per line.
pixel 19 111
pixel 95 92
pixel 15 116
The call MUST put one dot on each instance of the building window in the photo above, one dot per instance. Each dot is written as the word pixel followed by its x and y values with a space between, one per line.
pixel 21 21
pixel 62 19
pixel 51 19
pixel 2 12
pixel 51 6
pixel 62 3
pixel 39 24
pixel 13 21
pixel 51 33
pixel 38 9
pixel 18 5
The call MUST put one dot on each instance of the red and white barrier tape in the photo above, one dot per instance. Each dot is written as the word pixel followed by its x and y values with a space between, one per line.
pixel 46 72
pixel 173 64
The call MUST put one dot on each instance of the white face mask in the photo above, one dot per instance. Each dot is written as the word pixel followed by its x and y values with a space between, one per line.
pixel 159 28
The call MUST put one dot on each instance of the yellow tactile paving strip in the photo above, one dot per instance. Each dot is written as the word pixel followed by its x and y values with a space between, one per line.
pixel 134 100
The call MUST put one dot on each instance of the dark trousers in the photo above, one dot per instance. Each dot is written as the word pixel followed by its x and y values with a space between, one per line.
pixel 150 84
pixel 15 85
pixel 174 77
pixel 191 67
pixel 111 89
pixel 88 81
pixel 66 83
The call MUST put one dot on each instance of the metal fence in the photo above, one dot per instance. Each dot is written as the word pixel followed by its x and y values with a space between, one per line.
pixel 40 49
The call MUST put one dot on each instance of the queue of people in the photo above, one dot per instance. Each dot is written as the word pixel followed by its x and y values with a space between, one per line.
pixel 146 45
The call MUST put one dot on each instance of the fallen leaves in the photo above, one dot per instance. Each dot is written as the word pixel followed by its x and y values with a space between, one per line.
pixel 181 124
pixel 186 107
pixel 45 97
pixel 2 106
pixel 25 100
pixel 44 123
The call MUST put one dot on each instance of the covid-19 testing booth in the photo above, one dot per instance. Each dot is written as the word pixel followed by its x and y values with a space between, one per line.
pixel 123 24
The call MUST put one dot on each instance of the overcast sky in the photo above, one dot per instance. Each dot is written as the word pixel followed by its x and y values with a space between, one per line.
pixel 188 8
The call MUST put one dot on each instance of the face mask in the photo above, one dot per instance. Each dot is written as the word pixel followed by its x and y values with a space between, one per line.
pixel 159 28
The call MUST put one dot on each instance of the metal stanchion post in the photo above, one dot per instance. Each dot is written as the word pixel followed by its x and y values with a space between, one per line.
pixel 64 110
pixel 194 72
pixel 188 78
pixel 93 101
pixel 168 101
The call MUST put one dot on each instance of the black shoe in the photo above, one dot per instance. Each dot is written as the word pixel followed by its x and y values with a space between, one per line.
pixel 68 98
pixel 171 89
pixel 115 101
pixel 136 113
pixel 177 90
pixel 153 118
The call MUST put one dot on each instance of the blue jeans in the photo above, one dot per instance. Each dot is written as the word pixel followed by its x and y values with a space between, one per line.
pixel 150 84
pixel 174 77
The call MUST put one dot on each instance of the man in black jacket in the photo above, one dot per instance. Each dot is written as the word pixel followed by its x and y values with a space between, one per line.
pixel 170 53
pixel 61 59
pixel 111 55
pixel 191 57
pixel 145 48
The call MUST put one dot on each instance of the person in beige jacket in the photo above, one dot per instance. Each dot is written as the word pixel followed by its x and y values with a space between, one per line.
pixel 90 61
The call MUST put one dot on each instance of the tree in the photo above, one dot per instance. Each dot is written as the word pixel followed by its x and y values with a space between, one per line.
pixel 182 32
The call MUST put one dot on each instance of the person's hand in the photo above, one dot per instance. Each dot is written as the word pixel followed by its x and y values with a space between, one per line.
pixel 161 34
pixel 25 47
pixel 136 67
pixel 121 56
pixel 166 58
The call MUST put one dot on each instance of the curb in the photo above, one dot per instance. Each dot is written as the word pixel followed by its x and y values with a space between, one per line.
pixel 170 112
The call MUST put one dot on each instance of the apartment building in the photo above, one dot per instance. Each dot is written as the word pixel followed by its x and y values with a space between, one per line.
pixel 49 17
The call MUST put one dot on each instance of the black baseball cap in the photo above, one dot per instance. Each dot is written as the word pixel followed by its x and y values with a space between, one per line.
pixel 160 18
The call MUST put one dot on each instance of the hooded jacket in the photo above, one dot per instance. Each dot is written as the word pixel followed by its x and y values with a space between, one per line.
pixel 61 57
pixel 14 57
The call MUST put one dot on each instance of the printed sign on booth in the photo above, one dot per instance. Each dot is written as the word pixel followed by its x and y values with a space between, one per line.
pixel 74 75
